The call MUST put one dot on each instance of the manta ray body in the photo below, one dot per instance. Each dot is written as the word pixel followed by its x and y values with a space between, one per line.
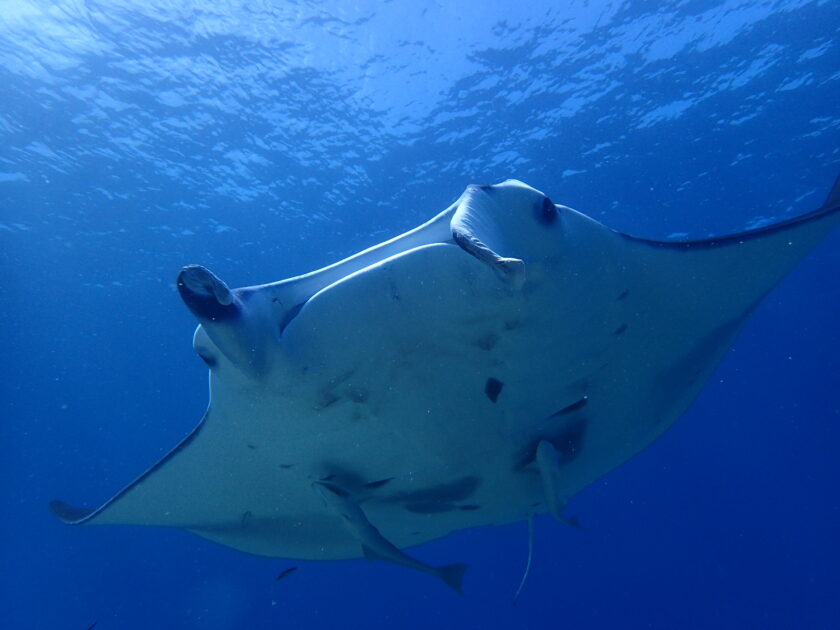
pixel 479 369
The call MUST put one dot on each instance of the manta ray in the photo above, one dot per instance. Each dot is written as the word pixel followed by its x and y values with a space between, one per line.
pixel 479 369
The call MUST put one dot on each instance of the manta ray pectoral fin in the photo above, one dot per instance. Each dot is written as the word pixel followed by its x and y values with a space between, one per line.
pixel 139 502
pixel 234 325
pixel 730 274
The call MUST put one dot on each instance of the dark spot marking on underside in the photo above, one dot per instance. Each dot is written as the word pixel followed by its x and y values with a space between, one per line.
pixel 513 324
pixel 356 484
pixel 285 466
pixel 487 342
pixel 289 316
pixel 575 406
pixel 546 212
pixel 379 483
pixel 339 388
pixel 251 446
pixel 445 493
pixel 358 394
pixel 620 329
pixel 493 387
pixel 336 490
pixel 327 398
pixel 469 507
pixel 429 507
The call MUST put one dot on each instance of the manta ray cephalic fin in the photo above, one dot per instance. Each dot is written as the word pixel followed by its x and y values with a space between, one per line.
pixel 472 218
pixel 225 319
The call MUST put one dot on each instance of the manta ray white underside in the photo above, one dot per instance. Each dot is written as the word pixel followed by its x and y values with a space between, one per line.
pixel 481 368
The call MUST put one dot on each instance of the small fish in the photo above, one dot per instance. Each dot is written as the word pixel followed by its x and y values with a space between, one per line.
pixel 286 573
pixel 374 545
pixel 91 626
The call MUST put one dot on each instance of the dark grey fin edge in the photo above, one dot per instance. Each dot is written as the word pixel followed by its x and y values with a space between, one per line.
pixel 371 554
pixel 67 513
pixel 833 199
pixel 73 515
pixel 831 206
pixel 453 575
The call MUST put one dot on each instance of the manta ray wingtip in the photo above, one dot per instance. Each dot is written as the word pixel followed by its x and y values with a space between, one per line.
pixel 67 513
pixel 833 198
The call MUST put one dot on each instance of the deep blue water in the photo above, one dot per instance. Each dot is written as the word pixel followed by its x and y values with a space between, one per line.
pixel 266 139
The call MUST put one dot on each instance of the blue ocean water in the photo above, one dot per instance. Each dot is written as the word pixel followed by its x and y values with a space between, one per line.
pixel 266 139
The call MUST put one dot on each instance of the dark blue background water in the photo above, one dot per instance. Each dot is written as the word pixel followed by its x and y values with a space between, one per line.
pixel 266 139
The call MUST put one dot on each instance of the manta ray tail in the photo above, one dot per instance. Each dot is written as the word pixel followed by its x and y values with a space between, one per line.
pixel 530 559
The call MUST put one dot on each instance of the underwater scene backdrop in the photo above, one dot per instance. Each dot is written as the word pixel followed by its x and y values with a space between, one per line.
pixel 267 139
